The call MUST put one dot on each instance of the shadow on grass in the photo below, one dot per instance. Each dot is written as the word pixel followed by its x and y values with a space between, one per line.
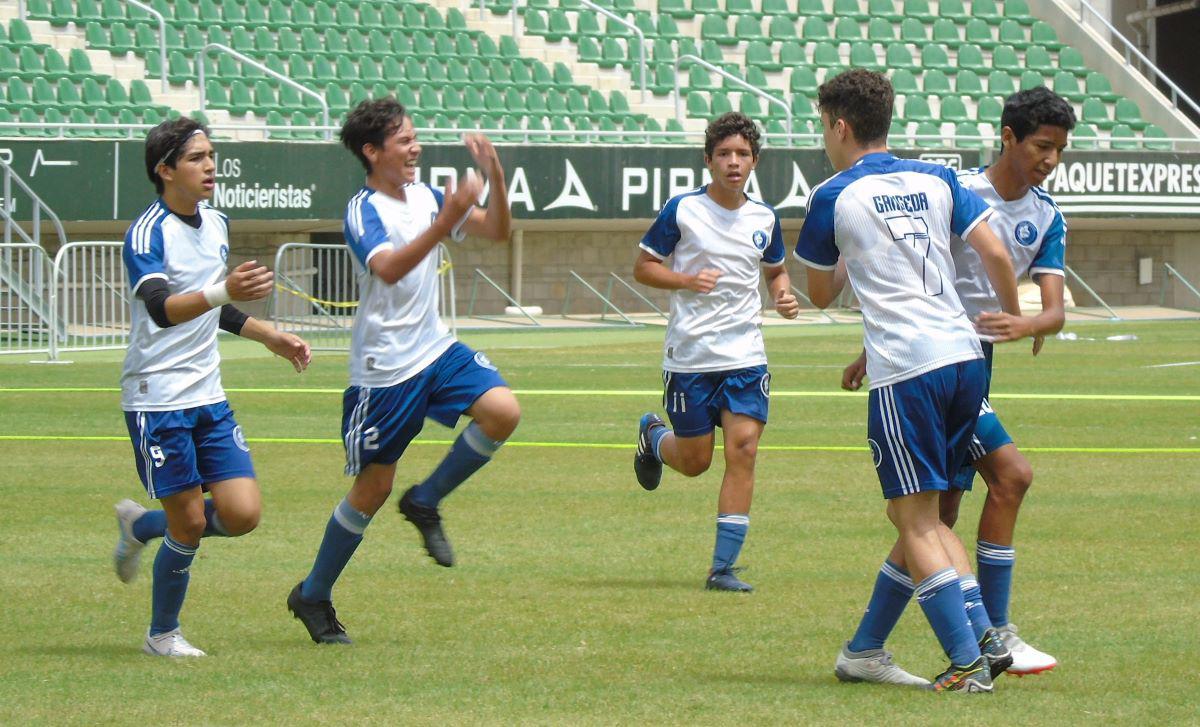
pixel 648 583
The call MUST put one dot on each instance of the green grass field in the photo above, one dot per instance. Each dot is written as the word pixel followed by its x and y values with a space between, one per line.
pixel 578 597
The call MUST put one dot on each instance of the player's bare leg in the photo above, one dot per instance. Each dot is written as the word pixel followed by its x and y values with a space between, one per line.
pixel 185 527
pixel 741 435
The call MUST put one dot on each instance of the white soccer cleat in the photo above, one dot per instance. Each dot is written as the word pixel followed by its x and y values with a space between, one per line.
pixel 128 552
pixel 1026 659
pixel 873 665
pixel 170 644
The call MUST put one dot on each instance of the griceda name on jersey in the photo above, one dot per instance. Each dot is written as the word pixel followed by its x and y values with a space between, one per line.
pixel 256 196
pixel 901 202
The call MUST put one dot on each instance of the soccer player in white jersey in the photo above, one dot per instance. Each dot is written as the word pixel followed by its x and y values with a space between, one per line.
pixel 885 224
pixel 720 244
pixel 1034 128
pixel 185 439
pixel 404 363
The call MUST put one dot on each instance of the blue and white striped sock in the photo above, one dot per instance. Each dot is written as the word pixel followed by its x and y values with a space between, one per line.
pixel 973 603
pixel 172 568
pixel 995 578
pixel 343 533
pixel 731 533
pixel 942 601
pixel 893 590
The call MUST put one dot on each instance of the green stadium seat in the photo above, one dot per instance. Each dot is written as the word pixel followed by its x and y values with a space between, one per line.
pixel 676 9
pixel 904 82
pixel 916 108
pixel 1037 58
pixel 989 110
pixel 914 31
pixel 825 55
pixel 970 57
pixel 1001 84
pixel 115 95
pixel 967 83
pixel 935 81
pixel 1152 132
pixel 241 101
pixel 589 50
pixel 1031 79
pixel 1066 84
pixel 139 94
pixel 1041 33
pixel 986 10
pixel 698 78
pixel 847 30
pixel 697 106
pixel 44 94
pixel 953 109
pixel 930 129
pixel 899 56
pixel 803 81
pixel 1122 138
pixel 946 32
pixel 265 97
pixel 716 27
pixel 558 26
pixel 1084 136
pixel 27 116
pixel 802 108
pixel 18 33
pixel 1097 86
pixel 814 29
pixel 1094 112
pixel 759 54
pixel 1127 112
pixel 1070 59
pixel 778 8
pixel 748 28
pixel 885 9
pixel 719 104
pixel 881 31
pixel 919 10
pixel 749 105
pixel 741 8
pixel 1012 33
pixel 967 128
pixel 68 93
pixel 668 28
pixel 978 31
pixel 1004 58
pixel 862 55
pixel 588 24
pixel 845 9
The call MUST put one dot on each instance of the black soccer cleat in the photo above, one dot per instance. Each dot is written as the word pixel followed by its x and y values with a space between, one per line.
pixel 429 523
pixel 726 580
pixel 318 617
pixel 995 652
pixel 646 466
pixel 974 677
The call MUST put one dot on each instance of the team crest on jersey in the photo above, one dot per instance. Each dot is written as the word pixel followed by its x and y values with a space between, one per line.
pixel 760 239
pixel 482 360
pixel 876 452
pixel 240 439
pixel 1026 232
pixel 224 253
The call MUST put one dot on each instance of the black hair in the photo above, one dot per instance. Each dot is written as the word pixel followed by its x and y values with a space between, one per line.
pixel 165 142
pixel 731 124
pixel 371 122
pixel 1025 111
pixel 864 99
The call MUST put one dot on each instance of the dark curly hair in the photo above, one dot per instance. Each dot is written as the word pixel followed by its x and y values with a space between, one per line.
pixel 731 124
pixel 1025 111
pixel 371 122
pixel 165 142
pixel 863 98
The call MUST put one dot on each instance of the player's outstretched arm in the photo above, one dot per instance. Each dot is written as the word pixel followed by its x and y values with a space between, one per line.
pixel 1005 327
pixel 998 265
pixel 649 270
pixel 779 285
pixel 494 223
pixel 392 265
pixel 290 346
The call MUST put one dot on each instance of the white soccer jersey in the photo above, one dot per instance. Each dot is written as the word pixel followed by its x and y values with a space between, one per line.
pixel 176 367
pixel 719 330
pixel 1032 229
pixel 891 219
pixel 397 330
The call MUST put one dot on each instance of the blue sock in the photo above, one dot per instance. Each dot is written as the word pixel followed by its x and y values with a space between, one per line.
pixel 152 524
pixel 942 601
pixel 342 536
pixel 469 452
pixel 973 602
pixel 893 589
pixel 171 567
pixel 995 578
pixel 731 533
pixel 656 437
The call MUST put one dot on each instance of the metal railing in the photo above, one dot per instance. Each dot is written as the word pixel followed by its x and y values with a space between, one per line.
pixel 480 275
pixel 728 76
pixel 1173 273
pixel 325 129
pixel 8 209
pixel 162 40
pixel 608 293
pixel 90 298
pixel 608 304
pixel 26 318
pixel 1131 52
pixel 636 31
pixel 1083 284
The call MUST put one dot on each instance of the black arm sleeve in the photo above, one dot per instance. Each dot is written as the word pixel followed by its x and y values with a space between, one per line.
pixel 232 319
pixel 154 293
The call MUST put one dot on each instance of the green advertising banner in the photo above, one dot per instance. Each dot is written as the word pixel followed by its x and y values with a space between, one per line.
pixel 92 180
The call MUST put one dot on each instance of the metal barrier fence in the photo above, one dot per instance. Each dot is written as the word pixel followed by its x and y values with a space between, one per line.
pixel 26 320
pixel 91 298
pixel 316 293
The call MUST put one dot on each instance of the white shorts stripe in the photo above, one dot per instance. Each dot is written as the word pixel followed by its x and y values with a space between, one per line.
pixel 901 459
pixel 145 449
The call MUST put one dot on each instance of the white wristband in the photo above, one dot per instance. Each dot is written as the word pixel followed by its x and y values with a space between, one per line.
pixel 217 295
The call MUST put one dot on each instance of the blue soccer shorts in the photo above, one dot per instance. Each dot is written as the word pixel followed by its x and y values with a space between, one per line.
pixel 379 422
pixel 694 401
pixel 990 434
pixel 185 448
pixel 919 429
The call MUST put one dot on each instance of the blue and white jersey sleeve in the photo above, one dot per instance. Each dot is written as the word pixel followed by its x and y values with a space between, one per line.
pixel 438 196
pixel 1051 256
pixel 775 252
pixel 662 237
pixel 969 207
pixel 143 252
pixel 364 230
pixel 816 247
